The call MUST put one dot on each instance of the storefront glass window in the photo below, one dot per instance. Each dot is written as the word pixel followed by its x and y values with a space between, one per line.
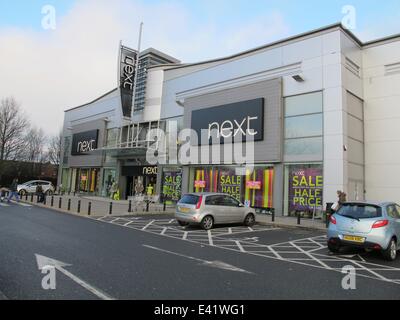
pixel 171 185
pixel 304 147
pixel 108 179
pixel 254 189
pixel 303 190
pixel 303 104
pixel 303 127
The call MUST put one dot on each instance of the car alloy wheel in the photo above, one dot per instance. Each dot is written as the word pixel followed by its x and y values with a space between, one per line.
pixel 391 252
pixel 207 223
pixel 249 220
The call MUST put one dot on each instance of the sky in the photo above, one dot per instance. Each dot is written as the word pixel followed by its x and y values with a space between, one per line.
pixel 48 70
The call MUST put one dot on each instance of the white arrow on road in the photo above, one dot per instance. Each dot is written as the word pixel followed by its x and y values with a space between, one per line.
pixel 44 262
pixel 213 264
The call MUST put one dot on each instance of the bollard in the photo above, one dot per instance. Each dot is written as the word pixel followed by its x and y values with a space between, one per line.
pixel 31 197
pixel 89 209
pixel 69 204
pixel 147 206
pixel 26 196
pixel 298 217
pixel 130 206
pixel 52 201
pixel 273 215
pixel 59 203
pixel 37 198
pixel 327 220
pixel 45 200
pixel 110 211
pixel 79 206
pixel 165 205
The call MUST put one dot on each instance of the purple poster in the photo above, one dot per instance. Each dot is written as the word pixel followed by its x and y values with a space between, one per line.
pixel 305 188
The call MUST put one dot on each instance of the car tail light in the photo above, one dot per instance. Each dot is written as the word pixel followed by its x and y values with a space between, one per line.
pixel 380 224
pixel 198 204
pixel 333 220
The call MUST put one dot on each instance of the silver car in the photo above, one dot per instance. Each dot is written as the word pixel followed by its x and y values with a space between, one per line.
pixel 368 225
pixel 30 187
pixel 209 209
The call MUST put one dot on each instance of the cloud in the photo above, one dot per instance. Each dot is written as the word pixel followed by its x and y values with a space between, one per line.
pixel 50 71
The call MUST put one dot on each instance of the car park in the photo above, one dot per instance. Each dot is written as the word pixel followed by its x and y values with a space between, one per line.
pixel 368 225
pixel 209 209
pixel 30 187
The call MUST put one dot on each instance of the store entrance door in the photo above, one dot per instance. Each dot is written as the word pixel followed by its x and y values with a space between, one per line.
pixel 141 185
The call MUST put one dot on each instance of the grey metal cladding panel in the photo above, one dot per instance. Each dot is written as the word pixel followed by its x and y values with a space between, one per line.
pixel 268 150
pixel 95 160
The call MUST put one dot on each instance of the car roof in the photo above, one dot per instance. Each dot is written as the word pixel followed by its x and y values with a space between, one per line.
pixel 208 193
pixel 374 203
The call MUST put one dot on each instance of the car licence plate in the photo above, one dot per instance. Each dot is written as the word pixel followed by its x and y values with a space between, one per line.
pixel 184 210
pixel 354 239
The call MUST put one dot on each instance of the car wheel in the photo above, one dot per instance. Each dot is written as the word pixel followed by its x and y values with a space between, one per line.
pixel 334 248
pixel 390 253
pixel 183 223
pixel 207 223
pixel 250 220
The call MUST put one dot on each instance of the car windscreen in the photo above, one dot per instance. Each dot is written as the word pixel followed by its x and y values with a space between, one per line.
pixel 189 199
pixel 360 211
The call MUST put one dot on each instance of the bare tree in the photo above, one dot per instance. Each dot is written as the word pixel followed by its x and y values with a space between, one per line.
pixel 54 149
pixel 13 124
pixel 35 142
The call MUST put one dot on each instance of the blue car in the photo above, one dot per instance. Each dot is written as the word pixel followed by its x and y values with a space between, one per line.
pixel 368 225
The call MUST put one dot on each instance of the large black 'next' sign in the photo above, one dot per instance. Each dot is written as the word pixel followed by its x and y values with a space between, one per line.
pixel 84 142
pixel 238 121
pixel 127 78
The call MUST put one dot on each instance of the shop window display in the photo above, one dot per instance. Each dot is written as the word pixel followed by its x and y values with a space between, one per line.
pixel 254 189
pixel 304 190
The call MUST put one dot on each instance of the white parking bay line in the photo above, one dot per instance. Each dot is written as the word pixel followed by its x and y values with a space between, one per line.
pixel 148 225
pixel 210 240
pixel 128 223
pixel 185 234
pixel 213 264
pixel 163 231
pixel 239 246
pixel 310 255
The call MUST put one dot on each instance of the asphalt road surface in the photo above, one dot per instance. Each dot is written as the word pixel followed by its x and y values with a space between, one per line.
pixel 154 258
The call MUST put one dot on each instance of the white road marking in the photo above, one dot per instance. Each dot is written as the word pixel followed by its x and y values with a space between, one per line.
pixel 361 258
pixel 4 204
pixel 210 240
pixel 229 230
pixel 274 252
pixel 21 203
pixel 164 230
pixel 148 225
pixel 310 255
pixel 239 246
pixel 128 223
pixel 172 220
pixel 112 221
pixel 213 264
pixel 43 262
pixel 276 256
pixel 317 243
pixel 185 234
pixel 251 229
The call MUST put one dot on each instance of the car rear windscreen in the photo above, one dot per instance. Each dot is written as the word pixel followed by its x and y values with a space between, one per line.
pixel 189 199
pixel 360 211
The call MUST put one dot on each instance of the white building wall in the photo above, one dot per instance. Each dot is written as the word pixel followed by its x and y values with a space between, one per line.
pixel 382 121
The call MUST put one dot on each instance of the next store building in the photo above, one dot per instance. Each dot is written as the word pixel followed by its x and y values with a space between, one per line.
pixel 329 111
pixel 323 108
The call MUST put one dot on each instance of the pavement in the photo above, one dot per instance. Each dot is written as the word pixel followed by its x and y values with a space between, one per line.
pixel 152 257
